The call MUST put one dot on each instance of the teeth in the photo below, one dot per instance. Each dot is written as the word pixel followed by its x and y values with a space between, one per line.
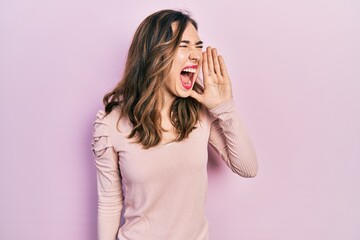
pixel 192 70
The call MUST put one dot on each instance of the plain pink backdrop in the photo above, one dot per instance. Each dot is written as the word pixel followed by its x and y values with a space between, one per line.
pixel 295 67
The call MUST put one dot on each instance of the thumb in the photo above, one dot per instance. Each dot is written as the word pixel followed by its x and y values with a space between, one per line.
pixel 196 96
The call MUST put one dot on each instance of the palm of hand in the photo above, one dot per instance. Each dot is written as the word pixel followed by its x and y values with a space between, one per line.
pixel 217 84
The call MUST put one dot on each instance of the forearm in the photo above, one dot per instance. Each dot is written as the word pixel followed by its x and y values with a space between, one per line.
pixel 231 140
pixel 109 196
pixel 109 213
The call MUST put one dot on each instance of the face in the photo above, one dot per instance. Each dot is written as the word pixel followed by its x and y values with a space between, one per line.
pixel 186 65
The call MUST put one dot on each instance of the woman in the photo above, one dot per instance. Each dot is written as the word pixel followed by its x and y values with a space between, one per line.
pixel 151 141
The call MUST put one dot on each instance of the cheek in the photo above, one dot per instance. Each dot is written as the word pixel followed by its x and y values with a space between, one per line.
pixel 181 57
pixel 178 65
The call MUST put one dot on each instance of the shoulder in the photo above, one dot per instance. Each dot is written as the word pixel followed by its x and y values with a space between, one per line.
pixel 105 122
pixel 107 118
pixel 112 124
pixel 105 125
pixel 108 121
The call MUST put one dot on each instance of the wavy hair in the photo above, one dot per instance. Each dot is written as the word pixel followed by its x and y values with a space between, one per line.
pixel 148 64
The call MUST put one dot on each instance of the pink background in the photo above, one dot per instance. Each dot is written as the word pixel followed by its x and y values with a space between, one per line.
pixel 295 67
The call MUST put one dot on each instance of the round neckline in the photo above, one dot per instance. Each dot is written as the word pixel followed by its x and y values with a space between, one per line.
pixel 168 143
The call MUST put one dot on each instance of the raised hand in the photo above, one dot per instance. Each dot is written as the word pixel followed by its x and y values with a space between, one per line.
pixel 217 84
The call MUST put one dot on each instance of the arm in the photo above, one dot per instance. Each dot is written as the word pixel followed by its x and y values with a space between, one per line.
pixel 229 138
pixel 108 181
pixel 227 133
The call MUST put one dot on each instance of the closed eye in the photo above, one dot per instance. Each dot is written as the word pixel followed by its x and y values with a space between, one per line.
pixel 185 46
pixel 186 43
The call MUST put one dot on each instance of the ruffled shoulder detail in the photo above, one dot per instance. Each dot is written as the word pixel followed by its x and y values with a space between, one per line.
pixel 101 137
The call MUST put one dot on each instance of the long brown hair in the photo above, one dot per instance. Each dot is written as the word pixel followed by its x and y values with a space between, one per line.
pixel 148 63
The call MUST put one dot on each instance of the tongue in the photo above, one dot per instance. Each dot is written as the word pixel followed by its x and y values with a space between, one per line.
pixel 185 79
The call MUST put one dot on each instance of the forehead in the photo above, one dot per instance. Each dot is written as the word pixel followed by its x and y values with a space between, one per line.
pixel 190 33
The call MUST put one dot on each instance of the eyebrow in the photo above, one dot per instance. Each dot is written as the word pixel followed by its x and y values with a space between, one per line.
pixel 188 42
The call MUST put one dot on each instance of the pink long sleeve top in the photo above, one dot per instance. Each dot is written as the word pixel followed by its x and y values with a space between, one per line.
pixel 162 190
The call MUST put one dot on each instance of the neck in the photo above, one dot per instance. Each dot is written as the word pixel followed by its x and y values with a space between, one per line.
pixel 166 105
pixel 166 109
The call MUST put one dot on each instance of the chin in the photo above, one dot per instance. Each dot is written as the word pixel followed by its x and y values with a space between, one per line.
pixel 183 95
pixel 183 92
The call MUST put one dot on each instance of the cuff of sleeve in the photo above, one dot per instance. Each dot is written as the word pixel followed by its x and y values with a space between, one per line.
pixel 225 107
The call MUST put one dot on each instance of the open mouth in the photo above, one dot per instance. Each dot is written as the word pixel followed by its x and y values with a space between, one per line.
pixel 187 77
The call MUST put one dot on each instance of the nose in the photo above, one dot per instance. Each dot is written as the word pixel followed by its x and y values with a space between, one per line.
pixel 195 55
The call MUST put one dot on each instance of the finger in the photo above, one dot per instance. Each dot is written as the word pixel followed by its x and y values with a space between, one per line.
pixel 210 60
pixel 205 67
pixel 216 61
pixel 196 96
pixel 223 67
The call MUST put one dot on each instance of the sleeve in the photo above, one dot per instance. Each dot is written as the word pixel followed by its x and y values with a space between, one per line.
pixel 230 140
pixel 110 196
